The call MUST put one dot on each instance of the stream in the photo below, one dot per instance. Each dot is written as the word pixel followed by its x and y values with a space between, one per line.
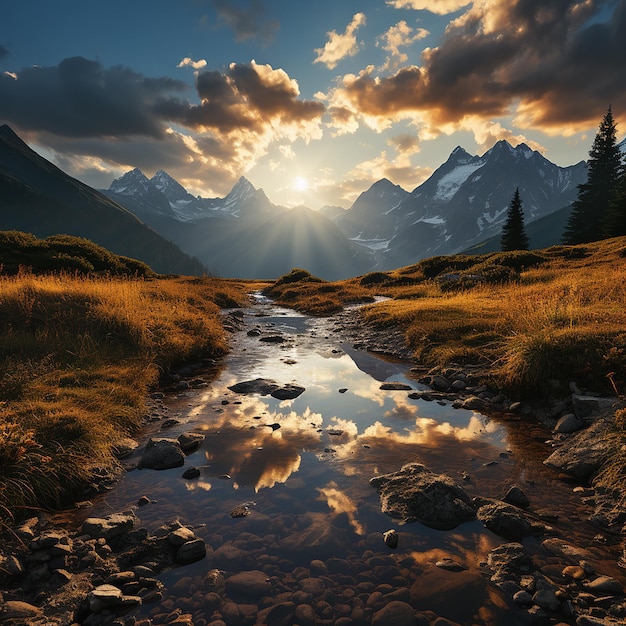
pixel 301 469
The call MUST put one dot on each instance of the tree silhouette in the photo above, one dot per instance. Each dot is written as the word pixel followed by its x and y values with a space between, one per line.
pixel 513 232
pixel 616 219
pixel 588 220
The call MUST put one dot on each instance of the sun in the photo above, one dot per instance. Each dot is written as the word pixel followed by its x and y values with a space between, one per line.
pixel 300 183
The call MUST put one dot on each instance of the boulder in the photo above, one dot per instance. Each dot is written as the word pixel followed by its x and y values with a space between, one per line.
pixel 508 521
pixel 162 453
pixel 108 527
pixel 582 454
pixel 416 494
pixel 396 613
pixel 568 424
pixel 190 442
pixel 516 497
pixel 287 392
pixel 262 386
pixel 191 551
pixel 253 583
pixel 589 406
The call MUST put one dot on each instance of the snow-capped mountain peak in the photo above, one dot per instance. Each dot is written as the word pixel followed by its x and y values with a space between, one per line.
pixel 134 181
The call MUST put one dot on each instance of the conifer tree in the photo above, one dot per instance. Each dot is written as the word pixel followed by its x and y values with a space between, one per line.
pixel 616 221
pixel 513 232
pixel 588 220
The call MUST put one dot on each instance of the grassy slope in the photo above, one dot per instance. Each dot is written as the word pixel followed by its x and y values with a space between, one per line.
pixel 529 317
pixel 77 357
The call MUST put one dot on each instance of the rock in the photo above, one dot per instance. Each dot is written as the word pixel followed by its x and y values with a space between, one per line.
pixel 287 392
pixel 273 339
pixel 516 497
pixel 587 406
pixel 510 557
pixel 242 510
pixel 214 580
pixel 583 453
pixel 252 583
pixel 392 386
pixel 568 424
pixel 180 536
pixel 280 614
pixel 162 453
pixel 191 551
pixel 305 615
pixel 508 521
pixel 189 442
pixel 390 537
pixel 522 598
pixel 15 609
pixel 546 599
pixel 396 613
pixel 449 564
pixel 416 493
pixel 191 473
pixel 124 447
pixel 262 386
pixel 105 596
pixel 108 527
pixel 604 586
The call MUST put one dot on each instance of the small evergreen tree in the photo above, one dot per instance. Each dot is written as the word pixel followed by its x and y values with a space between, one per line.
pixel 513 232
pixel 588 220
pixel 616 221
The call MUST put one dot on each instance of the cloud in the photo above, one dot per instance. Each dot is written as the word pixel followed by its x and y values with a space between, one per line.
pixel 400 36
pixel 339 47
pixel 80 98
pixel 405 143
pixel 249 22
pixel 441 7
pixel 123 119
pixel 554 67
pixel 189 62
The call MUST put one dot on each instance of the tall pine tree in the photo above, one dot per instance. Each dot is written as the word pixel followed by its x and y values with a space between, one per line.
pixel 588 220
pixel 513 232
pixel 616 221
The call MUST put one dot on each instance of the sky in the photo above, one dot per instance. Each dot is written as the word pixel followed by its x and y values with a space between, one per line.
pixel 311 101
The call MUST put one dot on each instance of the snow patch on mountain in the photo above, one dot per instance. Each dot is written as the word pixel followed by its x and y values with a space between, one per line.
pixel 449 184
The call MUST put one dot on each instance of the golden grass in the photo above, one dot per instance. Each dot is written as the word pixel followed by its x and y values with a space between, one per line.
pixel 563 317
pixel 77 357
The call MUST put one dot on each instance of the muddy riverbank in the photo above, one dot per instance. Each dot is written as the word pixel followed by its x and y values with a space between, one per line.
pixel 270 518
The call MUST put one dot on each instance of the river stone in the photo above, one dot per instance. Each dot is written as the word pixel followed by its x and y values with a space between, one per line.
pixel 262 386
pixel 508 521
pixel 253 583
pixel 180 536
pixel 416 493
pixel 191 551
pixel 546 599
pixel 568 424
pixel 395 387
pixel 604 586
pixel 511 557
pixel 108 527
pixel 516 497
pixel 305 615
pixel 162 453
pixel 105 596
pixel 587 406
pixel 390 537
pixel 396 613
pixel 16 609
pixel 189 442
pixel 287 392
pixel 583 453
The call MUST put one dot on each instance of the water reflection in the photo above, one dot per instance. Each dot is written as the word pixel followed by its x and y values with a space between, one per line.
pixel 306 464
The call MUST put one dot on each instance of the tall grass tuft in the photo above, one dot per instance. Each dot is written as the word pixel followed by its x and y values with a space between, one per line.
pixel 77 357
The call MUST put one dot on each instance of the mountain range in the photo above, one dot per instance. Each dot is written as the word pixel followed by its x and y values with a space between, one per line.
pixel 37 197
pixel 461 206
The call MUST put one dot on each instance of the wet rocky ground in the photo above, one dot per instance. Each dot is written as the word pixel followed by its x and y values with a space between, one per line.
pixel 243 567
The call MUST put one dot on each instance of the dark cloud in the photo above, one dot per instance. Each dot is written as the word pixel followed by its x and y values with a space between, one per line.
pixel 248 22
pixel 248 97
pixel 4 51
pixel 558 62
pixel 80 98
